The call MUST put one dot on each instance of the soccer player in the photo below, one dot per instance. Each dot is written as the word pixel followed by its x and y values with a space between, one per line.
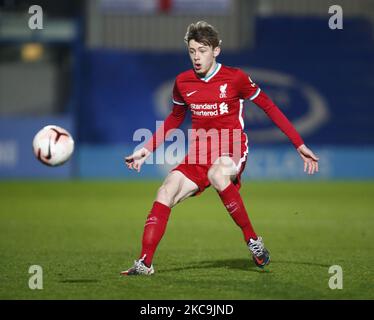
pixel 214 94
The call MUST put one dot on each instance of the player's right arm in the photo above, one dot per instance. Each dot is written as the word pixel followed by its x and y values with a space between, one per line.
pixel 173 121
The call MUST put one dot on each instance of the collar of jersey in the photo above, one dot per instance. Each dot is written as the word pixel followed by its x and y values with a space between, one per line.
pixel 213 73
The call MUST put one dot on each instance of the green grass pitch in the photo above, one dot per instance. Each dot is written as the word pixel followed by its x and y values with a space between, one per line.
pixel 83 233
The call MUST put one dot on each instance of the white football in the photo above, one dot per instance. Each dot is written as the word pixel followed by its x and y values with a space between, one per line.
pixel 53 145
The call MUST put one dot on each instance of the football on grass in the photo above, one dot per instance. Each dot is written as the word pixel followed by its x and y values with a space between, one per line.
pixel 53 145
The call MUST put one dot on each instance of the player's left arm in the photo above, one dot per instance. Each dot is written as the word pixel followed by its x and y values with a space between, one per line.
pixel 247 89
pixel 277 116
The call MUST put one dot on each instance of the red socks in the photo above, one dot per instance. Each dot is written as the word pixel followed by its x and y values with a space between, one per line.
pixel 154 229
pixel 234 204
pixel 158 218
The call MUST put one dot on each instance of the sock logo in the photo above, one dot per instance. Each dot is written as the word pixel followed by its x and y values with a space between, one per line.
pixel 151 220
pixel 232 207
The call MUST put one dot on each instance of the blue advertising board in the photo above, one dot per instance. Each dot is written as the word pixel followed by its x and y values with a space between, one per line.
pixel 270 163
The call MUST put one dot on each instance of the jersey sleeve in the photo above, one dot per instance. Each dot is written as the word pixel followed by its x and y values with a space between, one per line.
pixel 177 97
pixel 172 121
pixel 247 89
pixel 278 117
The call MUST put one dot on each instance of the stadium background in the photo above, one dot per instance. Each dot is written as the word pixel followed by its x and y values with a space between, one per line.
pixel 104 68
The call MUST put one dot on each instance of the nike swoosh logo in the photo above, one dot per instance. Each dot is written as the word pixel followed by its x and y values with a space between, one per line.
pixel 259 261
pixel 191 93
pixel 49 155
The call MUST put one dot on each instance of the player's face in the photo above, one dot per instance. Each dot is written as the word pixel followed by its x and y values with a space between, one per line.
pixel 203 57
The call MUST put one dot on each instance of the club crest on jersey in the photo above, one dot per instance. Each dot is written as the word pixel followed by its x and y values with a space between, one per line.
pixel 222 90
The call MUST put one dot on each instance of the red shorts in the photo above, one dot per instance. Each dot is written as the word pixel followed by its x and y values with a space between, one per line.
pixel 198 173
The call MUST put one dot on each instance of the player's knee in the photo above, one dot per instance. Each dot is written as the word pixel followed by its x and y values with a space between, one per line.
pixel 218 178
pixel 165 195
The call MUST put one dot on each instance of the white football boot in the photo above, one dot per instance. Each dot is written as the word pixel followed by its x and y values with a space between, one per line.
pixel 139 268
pixel 260 255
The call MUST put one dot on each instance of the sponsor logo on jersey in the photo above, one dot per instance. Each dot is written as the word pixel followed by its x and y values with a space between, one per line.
pixel 205 109
pixel 223 108
pixel 209 109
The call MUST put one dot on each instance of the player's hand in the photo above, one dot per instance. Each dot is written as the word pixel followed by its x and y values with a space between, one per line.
pixel 136 160
pixel 310 159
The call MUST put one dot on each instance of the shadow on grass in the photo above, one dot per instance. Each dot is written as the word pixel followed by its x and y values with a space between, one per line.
pixel 302 263
pixel 79 281
pixel 242 264
pixel 238 264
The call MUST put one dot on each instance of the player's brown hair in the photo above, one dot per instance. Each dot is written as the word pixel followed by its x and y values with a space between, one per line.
pixel 204 33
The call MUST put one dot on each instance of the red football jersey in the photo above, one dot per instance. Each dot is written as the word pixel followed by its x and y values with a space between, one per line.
pixel 216 102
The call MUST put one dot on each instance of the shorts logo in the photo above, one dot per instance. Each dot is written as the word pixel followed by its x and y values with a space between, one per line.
pixel 222 89
pixel 223 108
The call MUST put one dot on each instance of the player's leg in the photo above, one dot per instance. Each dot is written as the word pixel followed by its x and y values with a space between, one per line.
pixel 174 189
pixel 222 175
